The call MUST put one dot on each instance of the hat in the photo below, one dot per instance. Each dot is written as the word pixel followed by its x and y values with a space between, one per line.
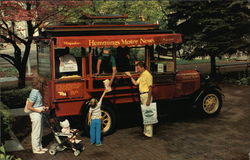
pixel 106 51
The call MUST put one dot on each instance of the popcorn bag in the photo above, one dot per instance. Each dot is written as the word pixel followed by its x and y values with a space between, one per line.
pixel 106 85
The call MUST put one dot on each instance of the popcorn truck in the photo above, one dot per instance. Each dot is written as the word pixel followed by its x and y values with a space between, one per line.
pixel 67 56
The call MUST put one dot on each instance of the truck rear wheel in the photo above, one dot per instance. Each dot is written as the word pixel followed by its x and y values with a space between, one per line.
pixel 108 121
pixel 210 103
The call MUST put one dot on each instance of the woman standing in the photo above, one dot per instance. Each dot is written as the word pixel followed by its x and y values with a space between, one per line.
pixel 35 105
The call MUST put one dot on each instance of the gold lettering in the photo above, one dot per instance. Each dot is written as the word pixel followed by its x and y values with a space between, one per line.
pixel 146 41
pixel 71 43
pixel 103 43
pixel 129 42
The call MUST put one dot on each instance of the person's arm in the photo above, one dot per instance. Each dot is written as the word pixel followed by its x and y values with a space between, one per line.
pixel 114 71
pixel 150 84
pixel 89 117
pixel 98 66
pixel 149 95
pixel 132 79
pixel 31 108
pixel 103 94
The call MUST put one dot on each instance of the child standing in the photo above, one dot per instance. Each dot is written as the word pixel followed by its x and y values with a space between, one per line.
pixel 94 120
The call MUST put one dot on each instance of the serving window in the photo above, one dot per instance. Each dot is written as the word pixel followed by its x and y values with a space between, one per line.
pixel 124 59
pixel 68 62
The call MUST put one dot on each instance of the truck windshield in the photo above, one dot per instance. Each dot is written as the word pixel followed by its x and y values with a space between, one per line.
pixel 163 59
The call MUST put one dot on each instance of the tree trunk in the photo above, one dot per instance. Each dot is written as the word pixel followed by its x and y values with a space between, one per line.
pixel 213 65
pixel 22 76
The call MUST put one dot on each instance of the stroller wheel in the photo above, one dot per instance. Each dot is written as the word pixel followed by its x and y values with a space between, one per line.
pixel 60 148
pixel 83 148
pixel 77 152
pixel 52 152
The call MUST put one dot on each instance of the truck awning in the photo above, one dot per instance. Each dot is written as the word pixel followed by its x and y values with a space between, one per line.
pixel 117 40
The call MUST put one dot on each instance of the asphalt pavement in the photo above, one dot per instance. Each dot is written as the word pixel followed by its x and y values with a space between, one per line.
pixel 180 136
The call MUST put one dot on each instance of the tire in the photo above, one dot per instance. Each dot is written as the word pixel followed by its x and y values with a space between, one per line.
pixel 108 121
pixel 210 103
pixel 77 153
pixel 52 151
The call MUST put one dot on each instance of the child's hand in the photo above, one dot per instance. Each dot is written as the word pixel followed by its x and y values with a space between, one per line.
pixel 110 83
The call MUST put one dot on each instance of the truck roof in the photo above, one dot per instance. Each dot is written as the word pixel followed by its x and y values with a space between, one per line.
pixel 102 28
pixel 109 34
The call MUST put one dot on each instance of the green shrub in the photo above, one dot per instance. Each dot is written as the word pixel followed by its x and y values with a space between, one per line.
pixel 9 71
pixel 239 78
pixel 6 121
pixel 15 98
pixel 5 156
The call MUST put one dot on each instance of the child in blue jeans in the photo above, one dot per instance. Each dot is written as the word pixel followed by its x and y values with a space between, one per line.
pixel 94 120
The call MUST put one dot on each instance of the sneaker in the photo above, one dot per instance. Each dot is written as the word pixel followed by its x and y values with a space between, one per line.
pixel 98 144
pixel 149 136
pixel 38 151
pixel 44 149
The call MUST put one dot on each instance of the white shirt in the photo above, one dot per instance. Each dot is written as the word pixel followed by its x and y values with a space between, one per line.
pixel 96 112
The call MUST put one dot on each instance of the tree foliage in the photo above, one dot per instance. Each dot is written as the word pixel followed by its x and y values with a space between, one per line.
pixel 211 27
pixel 152 11
pixel 35 14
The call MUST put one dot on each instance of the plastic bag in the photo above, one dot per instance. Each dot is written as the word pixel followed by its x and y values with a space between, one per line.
pixel 149 113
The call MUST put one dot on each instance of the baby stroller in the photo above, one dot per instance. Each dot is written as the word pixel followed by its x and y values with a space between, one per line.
pixel 62 140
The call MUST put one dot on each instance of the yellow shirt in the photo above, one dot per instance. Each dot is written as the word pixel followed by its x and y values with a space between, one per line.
pixel 145 81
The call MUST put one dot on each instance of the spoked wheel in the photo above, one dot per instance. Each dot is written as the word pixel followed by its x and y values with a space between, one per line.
pixel 210 103
pixel 108 120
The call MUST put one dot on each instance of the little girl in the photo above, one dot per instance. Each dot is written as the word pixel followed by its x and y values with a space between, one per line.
pixel 94 120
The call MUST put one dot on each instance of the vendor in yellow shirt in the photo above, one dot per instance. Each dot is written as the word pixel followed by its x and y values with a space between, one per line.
pixel 145 82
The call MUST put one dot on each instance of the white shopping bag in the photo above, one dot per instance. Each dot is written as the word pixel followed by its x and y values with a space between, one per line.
pixel 149 113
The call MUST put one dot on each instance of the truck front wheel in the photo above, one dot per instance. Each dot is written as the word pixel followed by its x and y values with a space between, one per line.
pixel 210 103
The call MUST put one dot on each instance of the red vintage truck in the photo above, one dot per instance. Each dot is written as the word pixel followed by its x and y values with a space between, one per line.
pixel 69 86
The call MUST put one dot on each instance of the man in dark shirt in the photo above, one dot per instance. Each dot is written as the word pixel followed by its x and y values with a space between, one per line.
pixel 106 64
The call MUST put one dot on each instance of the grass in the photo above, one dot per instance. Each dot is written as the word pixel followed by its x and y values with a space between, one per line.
pixel 8 72
pixel 196 61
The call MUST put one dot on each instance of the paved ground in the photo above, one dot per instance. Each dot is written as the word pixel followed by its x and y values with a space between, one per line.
pixel 177 137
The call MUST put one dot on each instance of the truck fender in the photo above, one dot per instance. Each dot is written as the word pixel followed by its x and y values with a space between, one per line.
pixel 205 89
